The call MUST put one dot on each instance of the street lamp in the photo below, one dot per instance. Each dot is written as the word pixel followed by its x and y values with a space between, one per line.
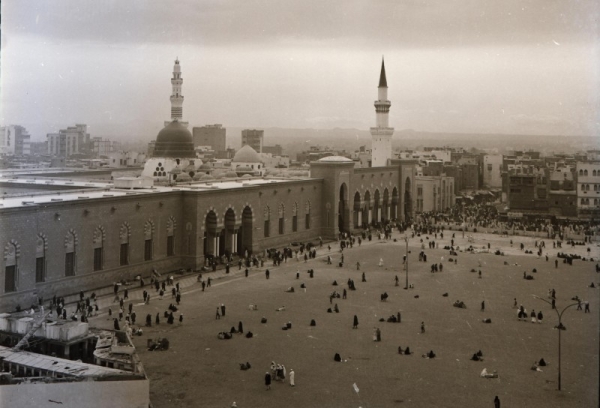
pixel 560 328
pixel 406 260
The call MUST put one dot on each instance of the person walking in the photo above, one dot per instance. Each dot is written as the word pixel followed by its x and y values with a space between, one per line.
pixel 217 315
pixel 496 402
pixel 422 327
pixel 292 378
pixel 268 380
pixel 355 324
pixel 482 305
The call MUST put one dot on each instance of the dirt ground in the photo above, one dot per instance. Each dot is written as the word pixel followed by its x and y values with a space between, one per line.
pixel 201 370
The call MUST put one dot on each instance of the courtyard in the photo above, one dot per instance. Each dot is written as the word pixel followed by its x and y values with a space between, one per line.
pixel 201 370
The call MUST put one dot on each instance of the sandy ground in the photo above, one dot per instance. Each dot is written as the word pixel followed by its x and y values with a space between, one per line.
pixel 201 370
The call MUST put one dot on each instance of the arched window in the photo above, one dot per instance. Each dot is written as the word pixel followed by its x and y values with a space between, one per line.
pixel 148 240
pixel 580 172
pixel 40 257
pixel 281 219
pixel 307 215
pixel 171 236
pixel 98 248
pixel 295 217
pixel 12 253
pixel 71 242
pixel 585 172
pixel 267 225
pixel 124 234
pixel 594 173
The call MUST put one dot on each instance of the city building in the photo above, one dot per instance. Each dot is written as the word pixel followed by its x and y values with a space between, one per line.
pixel 433 193
pixel 68 142
pixel 492 170
pixel 14 141
pixel 253 138
pixel 562 193
pixel 381 144
pixel 588 189
pixel 214 136
pixel 126 159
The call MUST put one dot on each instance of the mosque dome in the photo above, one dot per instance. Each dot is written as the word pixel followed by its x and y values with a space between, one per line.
pixel 174 140
pixel 335 159
pixel 246 155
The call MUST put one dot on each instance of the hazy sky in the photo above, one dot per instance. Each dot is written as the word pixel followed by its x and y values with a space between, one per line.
pixel 510 66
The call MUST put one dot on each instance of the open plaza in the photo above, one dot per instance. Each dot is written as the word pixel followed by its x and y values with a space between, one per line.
pixel 199 369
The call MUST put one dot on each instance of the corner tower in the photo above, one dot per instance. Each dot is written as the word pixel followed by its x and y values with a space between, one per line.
pixel 381 145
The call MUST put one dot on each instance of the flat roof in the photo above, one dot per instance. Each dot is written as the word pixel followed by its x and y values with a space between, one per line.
pixel 104 190
pixel 61 366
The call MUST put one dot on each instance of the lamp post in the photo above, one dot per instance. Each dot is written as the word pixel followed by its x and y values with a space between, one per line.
pixel 406 260
pixel 560 329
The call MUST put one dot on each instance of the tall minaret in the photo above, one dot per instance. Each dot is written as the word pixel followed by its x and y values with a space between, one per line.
pixel 381 145
pixel 176 96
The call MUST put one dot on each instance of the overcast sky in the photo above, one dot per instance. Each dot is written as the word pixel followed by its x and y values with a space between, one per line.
pixel 510 66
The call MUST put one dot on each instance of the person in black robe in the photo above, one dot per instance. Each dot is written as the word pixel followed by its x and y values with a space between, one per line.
pixel 355 324
pixel 268 380
pixel 240 327
pixel 170 319
pixel 116 324
pixel 157 321
pixel 148 320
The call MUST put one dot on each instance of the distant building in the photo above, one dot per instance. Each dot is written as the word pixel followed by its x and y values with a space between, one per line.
pixel 492 170
pixel 39 148
pixel 102 147
pixel 253 138
pixel 248 161
pixel 125 159
pixel 70 141
pixel 276 150
pixel 528 191
pixel 562 194
pixel 14 141
pixel 210 135
pixel 273 162
pixel 362 158
pixel 588 189
pixel 434 193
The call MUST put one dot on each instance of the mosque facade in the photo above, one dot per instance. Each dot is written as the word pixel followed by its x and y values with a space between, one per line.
pixel 60 242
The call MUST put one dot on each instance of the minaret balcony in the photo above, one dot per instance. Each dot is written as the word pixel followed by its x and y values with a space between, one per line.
pixel 383 103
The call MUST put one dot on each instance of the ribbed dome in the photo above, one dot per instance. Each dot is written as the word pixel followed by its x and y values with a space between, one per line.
pixel 334 159
pixel 246 155
pixel 174 141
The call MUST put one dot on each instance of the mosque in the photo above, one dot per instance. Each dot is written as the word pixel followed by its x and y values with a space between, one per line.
pixel 90 235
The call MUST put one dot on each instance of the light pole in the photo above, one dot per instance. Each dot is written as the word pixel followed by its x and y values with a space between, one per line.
pixel 406 260
pixel 560 329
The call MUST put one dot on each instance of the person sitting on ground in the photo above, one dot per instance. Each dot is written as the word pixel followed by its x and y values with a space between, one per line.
pixel 487 320
pixel 428 355
pixel 542 363
pixel 485 374
pixel 336 309
pixel 392 319
pixel 263 320
pixel 290 289
pixel 245 366
pixel 280 309
pixel 535 367
pixel 334 283
pixel 329 310
pixel 476 358
pixel 592 285
pixel 400 350
pixel 249 335
pixel 460 304
pixel 445 294
pixel 313 322
pixel 337 357
pixel 407 351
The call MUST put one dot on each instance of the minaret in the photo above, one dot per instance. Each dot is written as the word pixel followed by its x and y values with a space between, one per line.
pixel 176 96
pixel 381 145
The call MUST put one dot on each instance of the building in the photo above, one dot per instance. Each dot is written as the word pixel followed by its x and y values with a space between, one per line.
pixel 588 189
pixel 254 138
pixel 276 150
pixel 492 170
pixel 381 145
pixel 14 141
pixel 214 136
pixel 362 157
pixel 39 148
pixel 126 159
pixel 68 142
pixel 434 193
pixel 248 161
pixel 103 147
pixel 275 162
pixel 528 192
pixel 176 95
pixel 562 194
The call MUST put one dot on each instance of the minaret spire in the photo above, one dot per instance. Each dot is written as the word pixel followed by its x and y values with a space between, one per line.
pixel 381 145
pixel 382 79
pixel 176 96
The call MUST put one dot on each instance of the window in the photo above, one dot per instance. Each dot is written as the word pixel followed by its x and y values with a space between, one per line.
pixel 148 240
pixel 124 254
pixel 40 258
pixel 10 280
pixel 295 217
pixel 281 219
pixel 98 259
pixel 307 216
pixel 70 264
pixel 267 225
pixel 40 269
pixel 170 246
pixel 98 248
pixel 11 256
pixel 585 172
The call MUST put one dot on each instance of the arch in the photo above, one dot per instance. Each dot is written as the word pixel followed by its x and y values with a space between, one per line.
pixel 343 215
pixel 228 245
pixel 386 205
pixel 395 202
pixel 580 172
pixel 245 243
pixel 211 234
pixel 585 172
pixel 594 173
pixel 408 199
pixel 357 211
pixel 367 208
pixel 40 257
pixel 124 233
pixel 12 253
pixel 377 206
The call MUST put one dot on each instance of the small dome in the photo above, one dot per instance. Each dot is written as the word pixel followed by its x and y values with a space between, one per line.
pixel 335 159
pixel 231 174
pixel 174 140
pixel 207 177
pixel 176 170
pixel 246 155
pixel 183 177
pixel 198 176
pixel 205 166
